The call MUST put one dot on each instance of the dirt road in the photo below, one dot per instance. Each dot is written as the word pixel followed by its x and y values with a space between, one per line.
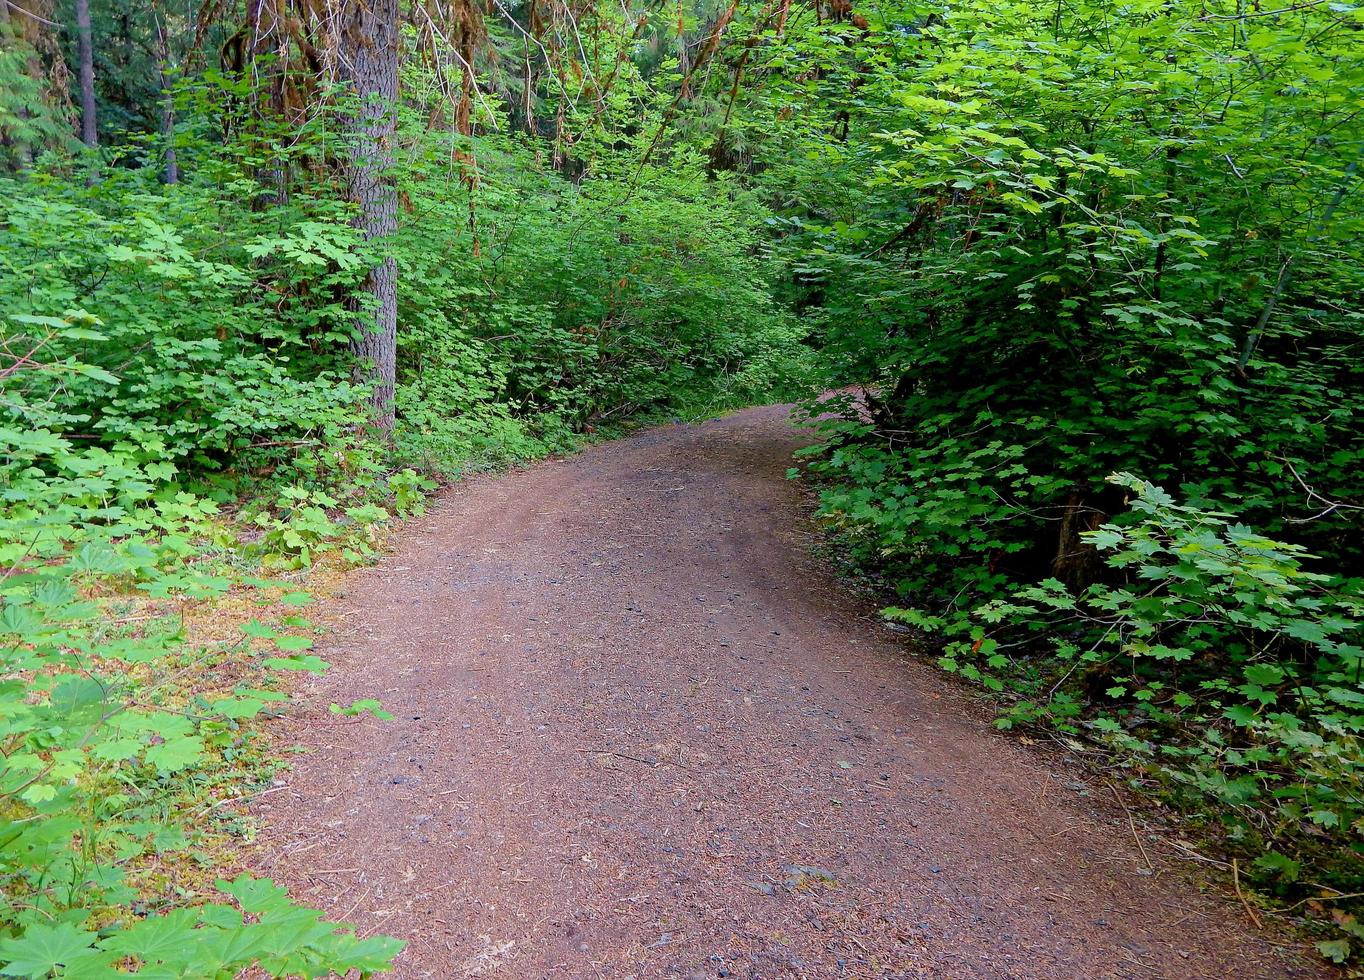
pixel 641 733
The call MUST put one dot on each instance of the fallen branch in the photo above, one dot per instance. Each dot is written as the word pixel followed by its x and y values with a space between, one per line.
pixel 1133 826
pixel 1236 883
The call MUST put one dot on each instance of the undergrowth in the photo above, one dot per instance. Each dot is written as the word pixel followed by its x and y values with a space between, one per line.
pixel 1210 666
pixel 180 427
pixel 1097 268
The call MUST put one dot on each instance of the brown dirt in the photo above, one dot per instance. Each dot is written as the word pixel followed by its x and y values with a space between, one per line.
pixel 641 733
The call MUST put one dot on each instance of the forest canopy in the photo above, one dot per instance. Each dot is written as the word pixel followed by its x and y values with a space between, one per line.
pixel 1086 277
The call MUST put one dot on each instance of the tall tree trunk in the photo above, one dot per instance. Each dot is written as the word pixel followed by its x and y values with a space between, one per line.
pixel 86 49
pixel 172 173
pixel 368 57
pixel 528 102
pixel 268 50
pixel 683 68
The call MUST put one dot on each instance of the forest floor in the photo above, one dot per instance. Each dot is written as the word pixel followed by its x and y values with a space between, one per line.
pixel 641 731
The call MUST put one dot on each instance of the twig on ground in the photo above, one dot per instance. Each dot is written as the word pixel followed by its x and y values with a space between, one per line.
pixel 1337 897
pixel 651 763
pixel 1132 824
pixel 1046 785
pixel 1193 855
pixel 1236 883
pixel 345 916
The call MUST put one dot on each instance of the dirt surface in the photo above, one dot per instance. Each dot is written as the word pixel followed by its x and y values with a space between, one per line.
pixel 641 733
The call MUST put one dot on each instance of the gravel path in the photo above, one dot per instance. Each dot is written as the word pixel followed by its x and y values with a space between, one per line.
pixel 641 733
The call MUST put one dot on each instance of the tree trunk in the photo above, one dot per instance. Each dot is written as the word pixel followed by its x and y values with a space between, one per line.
pixel 86 49
pixel 683 68
pixel 1078 563
pixel 529 92
pixel 368 58
pixel 172 173
pixel 269 62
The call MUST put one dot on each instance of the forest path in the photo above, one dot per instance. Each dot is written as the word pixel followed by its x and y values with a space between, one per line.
pixel 641 733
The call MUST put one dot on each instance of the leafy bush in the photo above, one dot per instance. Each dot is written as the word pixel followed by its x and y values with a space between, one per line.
pixel 177 413
pixel 206 345
pixel 552 311
pixel 1056 244
pixel 1211 630
pixel 1215 661
pixel 96 742
pixel 111 729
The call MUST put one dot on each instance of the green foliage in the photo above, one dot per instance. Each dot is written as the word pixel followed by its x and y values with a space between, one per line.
pixel 177 412
pixel 98 737
pixel 1055 243
pixel 1215 656
pixel 190 361
pixel 556 308
pixel 28 123
pixel 108 728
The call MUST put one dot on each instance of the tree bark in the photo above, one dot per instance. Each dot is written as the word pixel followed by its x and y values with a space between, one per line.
pixel 86 50
pixel 172 172
pixel 269 64
pixel 683 68
pixel 368 62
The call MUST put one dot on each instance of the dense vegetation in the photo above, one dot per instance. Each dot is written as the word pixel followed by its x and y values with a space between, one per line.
pixel 269 273
pixel 1100 268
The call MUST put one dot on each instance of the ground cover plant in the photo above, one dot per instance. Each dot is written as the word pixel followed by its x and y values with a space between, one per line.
pixel 1098 268
pixel 271 272
pixel 192 421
